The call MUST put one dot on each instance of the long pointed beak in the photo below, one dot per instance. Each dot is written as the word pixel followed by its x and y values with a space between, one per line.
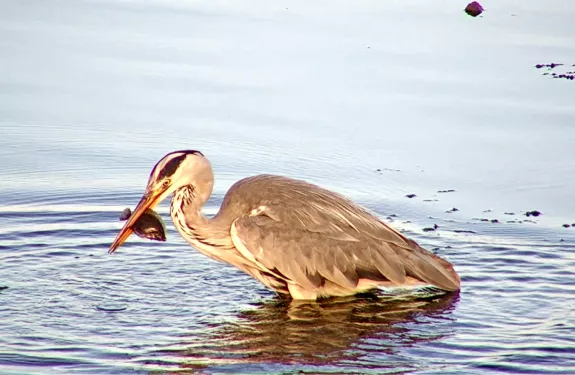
pixel 149 200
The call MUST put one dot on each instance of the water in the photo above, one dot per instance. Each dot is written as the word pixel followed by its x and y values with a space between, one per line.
pixel 93 93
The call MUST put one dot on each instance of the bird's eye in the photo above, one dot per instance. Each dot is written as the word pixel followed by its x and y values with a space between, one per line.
pixel 165 183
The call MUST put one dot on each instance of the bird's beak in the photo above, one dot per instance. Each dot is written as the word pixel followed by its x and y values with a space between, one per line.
pixel 149 200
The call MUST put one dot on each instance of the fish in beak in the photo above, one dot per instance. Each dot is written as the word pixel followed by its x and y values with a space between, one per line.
pixel 144 221
pixel 150 225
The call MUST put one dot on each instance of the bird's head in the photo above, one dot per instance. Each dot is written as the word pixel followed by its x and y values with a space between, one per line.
pixel 174 171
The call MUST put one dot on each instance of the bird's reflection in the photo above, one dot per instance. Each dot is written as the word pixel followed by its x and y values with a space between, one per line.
pixel 321 333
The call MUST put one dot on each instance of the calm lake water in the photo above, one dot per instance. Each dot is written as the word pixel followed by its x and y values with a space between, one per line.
pixel 373 99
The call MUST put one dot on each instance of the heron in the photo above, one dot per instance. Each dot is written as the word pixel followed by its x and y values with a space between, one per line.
pixel 296 238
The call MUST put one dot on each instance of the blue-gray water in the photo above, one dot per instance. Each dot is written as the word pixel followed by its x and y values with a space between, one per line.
pixel 374 99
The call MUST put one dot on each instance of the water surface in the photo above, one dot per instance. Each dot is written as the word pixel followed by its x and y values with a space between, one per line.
pixel 375 100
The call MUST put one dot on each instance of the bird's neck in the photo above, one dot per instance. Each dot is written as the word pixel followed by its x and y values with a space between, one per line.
pixel 202 233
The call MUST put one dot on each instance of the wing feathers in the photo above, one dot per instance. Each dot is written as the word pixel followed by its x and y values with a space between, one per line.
pixel 387 262
pixel 313 236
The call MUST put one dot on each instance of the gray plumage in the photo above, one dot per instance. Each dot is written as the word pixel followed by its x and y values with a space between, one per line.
pixel 297 238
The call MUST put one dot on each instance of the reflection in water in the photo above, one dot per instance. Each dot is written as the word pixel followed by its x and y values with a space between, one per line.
pixel 321 333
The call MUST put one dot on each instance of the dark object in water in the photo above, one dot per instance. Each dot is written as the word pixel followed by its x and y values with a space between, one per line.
pixel 411 195
pixel 446 191
pixel 435 226
pixel 452 210
pixel 474 9
pixel 111 309
pixel 532 213
pixel 150 225
pixel 550 66
pixel 566 225
pixel 3 287
pixel 569 75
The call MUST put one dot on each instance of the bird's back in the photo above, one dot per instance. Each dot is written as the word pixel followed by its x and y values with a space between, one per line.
pixel 299 215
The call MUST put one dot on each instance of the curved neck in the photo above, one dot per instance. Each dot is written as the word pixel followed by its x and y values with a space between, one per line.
pixel 208 236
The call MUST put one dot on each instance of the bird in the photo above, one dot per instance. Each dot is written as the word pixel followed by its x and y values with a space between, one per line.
pixel 297 238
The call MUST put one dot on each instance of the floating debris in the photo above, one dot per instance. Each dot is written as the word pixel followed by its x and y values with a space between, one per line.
pixel 411 195
pixel 431 229
pixel 534 213
pixel 111 309
pixel 150 225
pixel 474 9
pixel 550 66
pixel 569 75
pixel 387 169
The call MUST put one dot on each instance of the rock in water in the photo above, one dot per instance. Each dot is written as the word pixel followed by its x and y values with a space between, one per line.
pixel 150 225
pixel 474 9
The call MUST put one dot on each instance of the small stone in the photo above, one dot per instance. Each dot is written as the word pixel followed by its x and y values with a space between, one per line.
pixel 474 9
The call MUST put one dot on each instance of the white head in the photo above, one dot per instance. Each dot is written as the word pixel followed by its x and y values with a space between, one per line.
pixel 175 170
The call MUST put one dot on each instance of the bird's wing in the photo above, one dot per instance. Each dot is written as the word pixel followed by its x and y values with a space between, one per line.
pixel 326 237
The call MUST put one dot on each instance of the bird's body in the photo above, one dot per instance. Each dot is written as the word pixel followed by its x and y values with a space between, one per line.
pixel 296 238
